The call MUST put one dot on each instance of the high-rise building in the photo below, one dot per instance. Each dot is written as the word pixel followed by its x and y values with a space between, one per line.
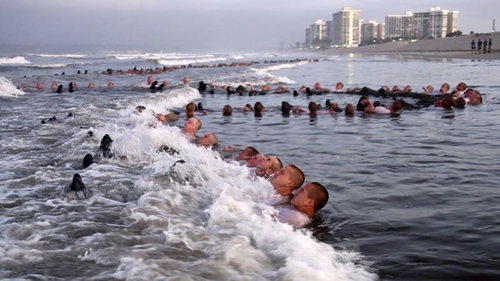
pixel 329 31
pixel 346 28
pixel 398 26
pixel 316 34
pixel 434 23
pixel 308 42
pixel 381 31
pixel 369 31
pixel 452 22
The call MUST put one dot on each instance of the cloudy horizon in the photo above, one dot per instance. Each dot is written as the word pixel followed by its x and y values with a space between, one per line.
pixel 212 25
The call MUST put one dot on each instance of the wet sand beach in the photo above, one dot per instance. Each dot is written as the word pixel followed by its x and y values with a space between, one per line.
pixel 449 47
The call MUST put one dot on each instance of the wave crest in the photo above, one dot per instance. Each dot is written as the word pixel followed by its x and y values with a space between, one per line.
pixel 14 60
pixel 8 89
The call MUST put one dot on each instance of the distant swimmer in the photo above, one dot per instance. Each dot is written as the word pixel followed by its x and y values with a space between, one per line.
pixel 185 81
pixel 149 81
pixel 139 109
pixel 59 89
pixel 153 85
pixel 247 108
pixel 393 109
pixel 473 97
pixel 208 140
pixel 334 108
pixel 339 87
pixel 349 110
pixel 202 87
pixel 313 109
pixel 285 108
pixel 227 110
pixel 87 160
pixel 258 109
pixel 77 188
pixel 105 147
pixel 191 127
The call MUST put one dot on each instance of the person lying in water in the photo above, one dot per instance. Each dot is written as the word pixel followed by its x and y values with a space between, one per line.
pixel 306 202
pixel 394 107
pixel 264 165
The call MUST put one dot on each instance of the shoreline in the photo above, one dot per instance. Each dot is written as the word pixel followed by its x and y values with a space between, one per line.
pixel 446 48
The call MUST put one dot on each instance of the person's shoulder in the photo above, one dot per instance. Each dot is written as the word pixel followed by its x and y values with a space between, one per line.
pixel 382 110
pixel 288 214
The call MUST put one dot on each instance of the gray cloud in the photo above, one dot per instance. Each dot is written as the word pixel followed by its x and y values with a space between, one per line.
pixel 210 24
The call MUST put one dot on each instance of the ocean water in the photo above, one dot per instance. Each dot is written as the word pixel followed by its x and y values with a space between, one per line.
pixel 412 197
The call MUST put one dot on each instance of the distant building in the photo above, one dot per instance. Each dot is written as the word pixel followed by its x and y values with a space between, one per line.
pixel 329 31
pixel 316 34
pixel 452 22
pixel 381 31
pixel 346 28
pixel 399 26
pixel 434 23
pixel 308 41
pixel 369 31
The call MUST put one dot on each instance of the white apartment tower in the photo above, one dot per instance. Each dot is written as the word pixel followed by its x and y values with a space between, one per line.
pixel 346 28
pixel 381 31
pixel 397 26
pixel 434 23
pixel 316 33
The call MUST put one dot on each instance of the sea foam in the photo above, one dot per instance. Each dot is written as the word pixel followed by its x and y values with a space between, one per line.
pixel 14 61
pixel 8 89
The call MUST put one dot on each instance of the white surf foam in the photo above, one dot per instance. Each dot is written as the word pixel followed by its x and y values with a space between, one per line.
pixel 283 66
pixel 14 61
pixel 61 55
pixel 8 89
pixel 171 62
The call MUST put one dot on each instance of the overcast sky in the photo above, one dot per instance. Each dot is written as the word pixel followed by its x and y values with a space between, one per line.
pixel 197 24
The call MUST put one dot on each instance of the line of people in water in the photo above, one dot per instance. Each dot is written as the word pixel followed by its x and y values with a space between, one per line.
pixel 295 203
pixel 458 98
pixel 159 70
pixel 428 97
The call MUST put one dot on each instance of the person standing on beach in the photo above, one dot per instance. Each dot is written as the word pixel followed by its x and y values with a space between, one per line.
pixel 479 45
pixel 489 45
pixel 485 45
pixel 472 47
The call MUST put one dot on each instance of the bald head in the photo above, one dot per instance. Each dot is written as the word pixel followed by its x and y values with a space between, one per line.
pixel 208 140
pixel 319 194
pixel 192 126
pixel 247 152
pixel 310 198
pixel 461 86
pixel 288 179
pixel 297 176
pixel 227 110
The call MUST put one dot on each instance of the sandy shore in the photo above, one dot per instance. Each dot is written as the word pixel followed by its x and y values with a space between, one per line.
pixel 452 47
